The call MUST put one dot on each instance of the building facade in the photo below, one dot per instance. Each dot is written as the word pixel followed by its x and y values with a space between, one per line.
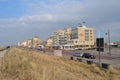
pixel 24 44
pixel 34 42
pixel 49 42
pixel 59 38
pixel 82 37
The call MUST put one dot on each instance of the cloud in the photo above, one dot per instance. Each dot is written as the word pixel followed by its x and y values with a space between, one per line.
pixel 33 18
pixel 43 17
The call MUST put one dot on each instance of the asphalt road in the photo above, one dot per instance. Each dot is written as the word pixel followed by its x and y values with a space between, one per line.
pixel 114 59
pixel 2 53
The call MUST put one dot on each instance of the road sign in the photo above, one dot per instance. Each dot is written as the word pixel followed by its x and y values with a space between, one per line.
pixel 100 44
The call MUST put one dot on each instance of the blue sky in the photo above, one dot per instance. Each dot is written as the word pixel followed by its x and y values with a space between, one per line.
pixel 22 19
pixel 10 9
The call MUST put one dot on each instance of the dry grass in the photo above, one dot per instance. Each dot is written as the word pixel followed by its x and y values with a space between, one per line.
pixel 30 65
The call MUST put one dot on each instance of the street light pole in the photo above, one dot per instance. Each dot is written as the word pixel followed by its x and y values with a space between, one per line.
pixel 109 42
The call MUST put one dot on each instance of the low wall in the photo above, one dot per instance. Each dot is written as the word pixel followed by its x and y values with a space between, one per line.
pixel 58 52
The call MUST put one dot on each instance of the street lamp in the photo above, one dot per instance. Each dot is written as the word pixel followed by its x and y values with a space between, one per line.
pixel 109 42
pixel 109 47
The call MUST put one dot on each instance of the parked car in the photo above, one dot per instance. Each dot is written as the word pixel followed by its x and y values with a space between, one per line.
pixel 39 48
pixel 88 55
pixel 78 54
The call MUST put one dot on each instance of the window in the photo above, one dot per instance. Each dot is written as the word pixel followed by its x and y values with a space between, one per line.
pixel 75 41
pixel 90 33
pixel 74 35
pixel 86 31
pixel 90 30
pixel 86 34
pixel 86 39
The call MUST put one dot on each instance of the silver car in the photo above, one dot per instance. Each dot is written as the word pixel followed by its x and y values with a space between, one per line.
pixel 78 54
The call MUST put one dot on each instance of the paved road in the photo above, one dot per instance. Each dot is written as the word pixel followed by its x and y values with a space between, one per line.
pixel 114 60
pixel 2 53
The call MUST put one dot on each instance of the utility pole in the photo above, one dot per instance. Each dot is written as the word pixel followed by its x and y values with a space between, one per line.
pixel 109 42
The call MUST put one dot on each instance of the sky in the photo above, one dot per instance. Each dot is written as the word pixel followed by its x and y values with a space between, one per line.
pixel 21 20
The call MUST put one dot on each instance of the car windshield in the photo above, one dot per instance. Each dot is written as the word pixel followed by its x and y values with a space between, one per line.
pixel 91 53
pixel 77 53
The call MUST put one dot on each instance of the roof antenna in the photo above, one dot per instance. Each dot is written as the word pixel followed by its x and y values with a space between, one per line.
pixel 82 24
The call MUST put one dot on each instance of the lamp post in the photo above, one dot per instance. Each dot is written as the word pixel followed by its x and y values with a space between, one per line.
pixel 109 42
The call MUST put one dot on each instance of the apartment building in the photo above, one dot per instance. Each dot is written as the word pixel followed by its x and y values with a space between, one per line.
pixel 29 43
pixel 34 42
pixel 59 38
pixel 82 37
pixel 24 44
pixel 49 42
